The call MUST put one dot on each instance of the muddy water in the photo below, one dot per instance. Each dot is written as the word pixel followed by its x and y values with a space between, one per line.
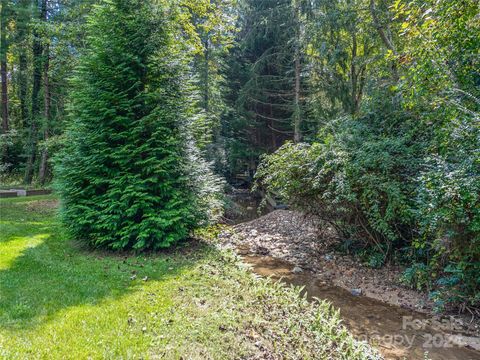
pixel 396 332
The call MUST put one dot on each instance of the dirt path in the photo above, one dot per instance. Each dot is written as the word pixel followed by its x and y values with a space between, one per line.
pixel 372 301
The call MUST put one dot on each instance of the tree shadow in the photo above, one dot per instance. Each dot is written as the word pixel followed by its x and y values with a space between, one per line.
pixel 50 273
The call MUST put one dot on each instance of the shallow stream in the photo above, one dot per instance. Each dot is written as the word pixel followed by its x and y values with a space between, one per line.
pixel 398 333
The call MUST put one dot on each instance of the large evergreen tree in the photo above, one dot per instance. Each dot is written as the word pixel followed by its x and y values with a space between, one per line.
pixel 124 175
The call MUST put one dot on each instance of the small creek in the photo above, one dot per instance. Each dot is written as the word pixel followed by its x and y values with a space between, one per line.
pixel 398 333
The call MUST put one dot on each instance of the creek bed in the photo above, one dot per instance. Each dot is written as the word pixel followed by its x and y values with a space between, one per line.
pixel 397 333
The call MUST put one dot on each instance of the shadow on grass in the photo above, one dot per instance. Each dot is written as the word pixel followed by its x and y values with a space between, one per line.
pixel 43 272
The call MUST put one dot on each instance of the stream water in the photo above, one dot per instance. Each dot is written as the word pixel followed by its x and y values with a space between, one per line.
pixel 397 333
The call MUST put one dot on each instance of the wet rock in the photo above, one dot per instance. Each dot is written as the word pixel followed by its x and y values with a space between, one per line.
pixel 297 270
pixel 243 251
pixel 328 273
pixel 356 292
pixel 260 250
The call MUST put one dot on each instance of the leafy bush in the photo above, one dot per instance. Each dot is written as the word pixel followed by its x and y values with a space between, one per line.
pixel 377 181
pixel 418 276
pixel 449 224
pixel 356 177
pixel 130 176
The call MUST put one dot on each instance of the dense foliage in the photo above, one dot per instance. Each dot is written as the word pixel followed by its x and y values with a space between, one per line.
pixel 40 42
pixel 351 179
pixel 395 166
pixel 124 175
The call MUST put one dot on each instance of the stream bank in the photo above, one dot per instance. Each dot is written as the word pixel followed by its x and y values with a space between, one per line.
pixel 373 304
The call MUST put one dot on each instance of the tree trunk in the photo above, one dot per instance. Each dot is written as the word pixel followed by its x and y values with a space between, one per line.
pixel 385 34
pixel 206 92
pixel 42 172
pixel 297 118
pixel 3 66
pixel 354 77
pixel 297 115
pixel 274 137
pixel 37 78
pixel 22 88
pixel 22 21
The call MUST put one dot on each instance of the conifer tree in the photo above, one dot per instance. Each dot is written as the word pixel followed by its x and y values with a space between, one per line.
pixel 124 174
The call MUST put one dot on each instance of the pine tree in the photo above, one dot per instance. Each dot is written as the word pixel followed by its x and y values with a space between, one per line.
pixel 124 175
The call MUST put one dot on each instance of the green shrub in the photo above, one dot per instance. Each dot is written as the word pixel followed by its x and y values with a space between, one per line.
pixel 377 180
pixel 129 176
pixel 417 276
pixel 356 177
pixel 449 224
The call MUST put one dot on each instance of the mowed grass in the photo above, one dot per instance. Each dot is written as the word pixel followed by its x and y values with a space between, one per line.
pixel 61 301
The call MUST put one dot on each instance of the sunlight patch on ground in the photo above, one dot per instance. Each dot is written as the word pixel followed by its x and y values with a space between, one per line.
pixel 21 222
pixel 111 327
pixel 10 250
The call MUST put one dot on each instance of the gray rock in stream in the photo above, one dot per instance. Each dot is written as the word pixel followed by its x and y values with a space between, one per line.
pixel 356 292
pixel 260 250
pixel 297 270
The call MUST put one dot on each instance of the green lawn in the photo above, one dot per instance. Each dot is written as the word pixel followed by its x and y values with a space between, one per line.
pixel 59 301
